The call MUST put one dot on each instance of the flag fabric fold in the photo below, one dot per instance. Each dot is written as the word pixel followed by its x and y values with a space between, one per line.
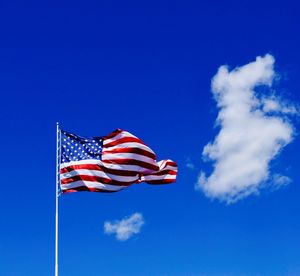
pixel 110 163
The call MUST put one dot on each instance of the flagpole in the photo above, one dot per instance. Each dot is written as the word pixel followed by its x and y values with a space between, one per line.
pixel 56 195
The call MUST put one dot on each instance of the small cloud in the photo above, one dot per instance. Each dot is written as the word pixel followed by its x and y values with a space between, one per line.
pixel 125 228
pixel 254 128
pixel 280 181
pixel 189 164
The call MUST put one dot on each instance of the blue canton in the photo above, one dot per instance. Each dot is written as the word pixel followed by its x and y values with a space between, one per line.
pixel 76 148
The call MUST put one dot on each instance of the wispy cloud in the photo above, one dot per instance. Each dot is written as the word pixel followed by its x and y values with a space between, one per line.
pixel 189 164
pixel 125 228
pixel 254 127
pixel 280 180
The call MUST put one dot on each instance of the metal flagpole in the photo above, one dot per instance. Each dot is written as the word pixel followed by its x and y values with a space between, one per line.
pixel 56 195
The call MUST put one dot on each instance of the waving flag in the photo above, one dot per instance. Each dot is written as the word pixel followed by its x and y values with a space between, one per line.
pixel 110 163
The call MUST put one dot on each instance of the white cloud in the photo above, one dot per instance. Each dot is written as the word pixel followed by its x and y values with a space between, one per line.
pixel 273 104
pixel 189 164
pixel 280 180
pixel 253 130
pixel 125 228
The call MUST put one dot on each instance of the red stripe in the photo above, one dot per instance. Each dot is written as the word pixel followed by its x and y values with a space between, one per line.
pixel 97 167
pixel 87 189
pixel 123 140
pixel 131 150
pixel 162 181
pixel 94 179
pixel 126 161
pixel 113 134
pixel 163 172
pixel 171 163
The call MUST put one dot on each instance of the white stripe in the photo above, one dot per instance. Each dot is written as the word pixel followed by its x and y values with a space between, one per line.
pixel 99 174
pixel 163 165
pixel 128 145
pixel 91 184
pixel 86 161
pixel 120 167
pixel 168 168
pixel 133 168
pixel 164 162
pixel 135 156
pixel 158 177
pixel 121 135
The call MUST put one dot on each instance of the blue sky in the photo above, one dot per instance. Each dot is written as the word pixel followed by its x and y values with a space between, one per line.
pixel 146 68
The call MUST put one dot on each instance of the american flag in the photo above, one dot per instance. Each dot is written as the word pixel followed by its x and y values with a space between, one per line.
pixel 110 163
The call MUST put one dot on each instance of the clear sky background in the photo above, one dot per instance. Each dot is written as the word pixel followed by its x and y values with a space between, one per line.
pixel 146 68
